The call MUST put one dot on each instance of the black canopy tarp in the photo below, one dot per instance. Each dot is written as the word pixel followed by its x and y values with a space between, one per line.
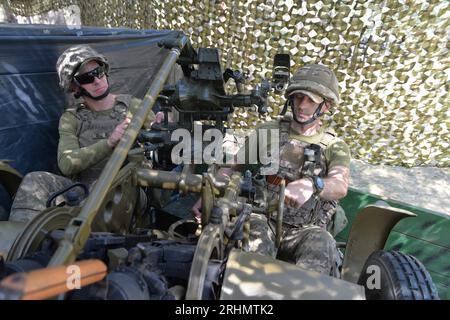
pixel 31 101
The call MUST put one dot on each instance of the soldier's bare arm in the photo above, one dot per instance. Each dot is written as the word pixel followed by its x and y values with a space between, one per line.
pixel 336 183
pixel 336 186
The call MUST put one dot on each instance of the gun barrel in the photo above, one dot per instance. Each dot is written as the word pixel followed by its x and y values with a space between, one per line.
pixel 79 228
pixel 52 281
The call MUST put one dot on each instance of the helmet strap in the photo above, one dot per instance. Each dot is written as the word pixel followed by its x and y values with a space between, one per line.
pixel 315 116
pixel 285 107
pixel 83 92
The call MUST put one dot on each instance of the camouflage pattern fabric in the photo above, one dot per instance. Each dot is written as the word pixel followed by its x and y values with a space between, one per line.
pixel 291 153
pixel 95 126
pixel 261 238
pixel 33 192
pixel 390 57
pixel 82 154
pixel 305 240
pixel 310 247
pixel 338 223
pixel 83 137
pixel 317 79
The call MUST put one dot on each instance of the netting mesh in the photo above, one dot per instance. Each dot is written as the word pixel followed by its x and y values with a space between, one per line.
pixel 390 56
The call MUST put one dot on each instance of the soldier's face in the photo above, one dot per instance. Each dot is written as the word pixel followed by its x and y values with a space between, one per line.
pixel 99 86
pixel 304 107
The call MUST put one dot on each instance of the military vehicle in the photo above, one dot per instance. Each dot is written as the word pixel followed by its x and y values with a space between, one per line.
pixel 122 252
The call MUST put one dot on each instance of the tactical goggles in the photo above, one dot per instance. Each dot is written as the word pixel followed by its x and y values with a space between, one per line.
pixel 90 76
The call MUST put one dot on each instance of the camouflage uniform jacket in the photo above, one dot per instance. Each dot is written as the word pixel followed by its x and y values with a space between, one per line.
pixel 83 149
pixel 334 151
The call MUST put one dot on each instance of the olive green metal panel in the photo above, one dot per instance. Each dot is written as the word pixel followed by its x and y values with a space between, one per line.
pixel 428 225
pixel 257 277
pixel 442 284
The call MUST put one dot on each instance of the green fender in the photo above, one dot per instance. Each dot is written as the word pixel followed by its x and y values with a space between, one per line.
pixel 370 230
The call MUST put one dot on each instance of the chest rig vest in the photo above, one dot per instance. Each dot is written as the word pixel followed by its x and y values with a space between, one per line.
pixel 294 165
pixel 93 126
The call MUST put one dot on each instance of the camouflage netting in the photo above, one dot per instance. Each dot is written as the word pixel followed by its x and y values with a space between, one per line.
pixel 391 58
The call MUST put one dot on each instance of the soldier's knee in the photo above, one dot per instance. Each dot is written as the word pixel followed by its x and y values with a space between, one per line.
pixel 261 239
pixel 257 220
pixel 319 237
pixel 36 177
pixel 258 226
pixel 31 176
pixel 318 233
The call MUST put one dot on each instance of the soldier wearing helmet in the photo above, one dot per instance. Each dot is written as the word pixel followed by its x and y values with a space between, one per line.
pixel 315 165
pixel 88 131
pixel 70 67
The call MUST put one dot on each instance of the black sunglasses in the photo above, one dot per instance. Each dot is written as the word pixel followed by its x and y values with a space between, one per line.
pixel 90 76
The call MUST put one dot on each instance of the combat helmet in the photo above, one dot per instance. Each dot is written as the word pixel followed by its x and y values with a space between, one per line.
pixel 71 60
pixel 317 82
pixel 316 79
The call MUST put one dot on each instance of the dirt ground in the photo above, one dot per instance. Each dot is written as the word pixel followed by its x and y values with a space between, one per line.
pixel 426 187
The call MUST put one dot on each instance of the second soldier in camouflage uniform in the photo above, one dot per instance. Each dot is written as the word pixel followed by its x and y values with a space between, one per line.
pixel 313 183
pixel 88 131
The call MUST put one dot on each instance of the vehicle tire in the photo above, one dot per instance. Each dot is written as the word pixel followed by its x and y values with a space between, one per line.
pixel 402 277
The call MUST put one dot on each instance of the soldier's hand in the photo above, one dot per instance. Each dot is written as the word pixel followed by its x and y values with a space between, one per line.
pixel 118 132
pixel 298 192
pixel 196 211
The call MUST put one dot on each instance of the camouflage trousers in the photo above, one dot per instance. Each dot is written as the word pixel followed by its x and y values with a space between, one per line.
pixel 261 238
pixel 309 247
pixel 33 193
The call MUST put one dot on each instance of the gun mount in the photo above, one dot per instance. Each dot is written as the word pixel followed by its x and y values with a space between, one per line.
pixel 201 95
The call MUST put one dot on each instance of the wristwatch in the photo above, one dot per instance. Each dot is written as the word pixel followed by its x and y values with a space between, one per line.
pixel 318 184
